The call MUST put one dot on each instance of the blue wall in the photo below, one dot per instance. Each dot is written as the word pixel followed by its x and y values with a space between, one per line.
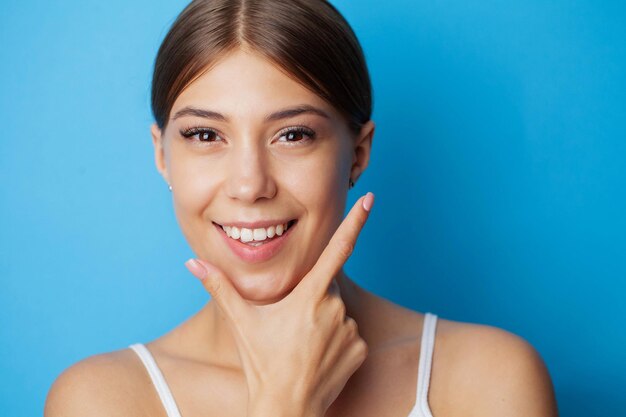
pixel 498 166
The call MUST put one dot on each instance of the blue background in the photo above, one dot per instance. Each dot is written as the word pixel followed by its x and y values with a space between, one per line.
pixel 498 166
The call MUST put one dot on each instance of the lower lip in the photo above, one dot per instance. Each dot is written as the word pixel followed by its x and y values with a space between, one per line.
pixel 256 254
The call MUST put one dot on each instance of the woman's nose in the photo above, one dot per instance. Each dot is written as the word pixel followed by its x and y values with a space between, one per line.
pixel 249 177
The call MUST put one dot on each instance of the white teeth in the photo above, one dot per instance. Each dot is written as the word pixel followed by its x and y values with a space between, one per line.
pixel 257 235
pixel 246 235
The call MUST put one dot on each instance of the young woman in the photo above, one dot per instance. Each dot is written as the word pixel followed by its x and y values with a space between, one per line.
pixel 262 125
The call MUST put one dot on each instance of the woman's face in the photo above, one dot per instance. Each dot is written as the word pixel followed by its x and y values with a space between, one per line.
pixel 247 146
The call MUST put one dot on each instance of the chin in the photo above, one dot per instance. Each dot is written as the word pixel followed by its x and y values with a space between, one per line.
pixel 263 288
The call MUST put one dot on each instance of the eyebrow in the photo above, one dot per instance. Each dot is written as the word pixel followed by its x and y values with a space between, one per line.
pixel 281 114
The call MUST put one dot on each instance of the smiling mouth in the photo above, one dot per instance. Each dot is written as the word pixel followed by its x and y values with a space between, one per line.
pixel 258 236
pixel 256 251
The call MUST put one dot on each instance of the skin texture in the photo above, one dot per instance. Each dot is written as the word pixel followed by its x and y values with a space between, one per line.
pixel 477 370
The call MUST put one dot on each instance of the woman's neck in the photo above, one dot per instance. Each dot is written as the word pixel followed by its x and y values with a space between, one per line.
pixel 214 341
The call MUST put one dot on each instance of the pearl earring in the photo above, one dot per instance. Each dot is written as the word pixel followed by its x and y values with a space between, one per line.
pixel 169 186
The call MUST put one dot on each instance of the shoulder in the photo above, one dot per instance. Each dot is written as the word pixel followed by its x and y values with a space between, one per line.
pixel 491 371
pixel 99 386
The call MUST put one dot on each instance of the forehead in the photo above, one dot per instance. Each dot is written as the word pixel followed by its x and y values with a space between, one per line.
pixel 246 84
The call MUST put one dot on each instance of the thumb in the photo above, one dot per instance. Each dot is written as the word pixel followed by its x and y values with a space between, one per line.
pixel 218 285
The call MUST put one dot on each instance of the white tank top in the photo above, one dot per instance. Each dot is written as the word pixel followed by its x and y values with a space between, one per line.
pixel 420 409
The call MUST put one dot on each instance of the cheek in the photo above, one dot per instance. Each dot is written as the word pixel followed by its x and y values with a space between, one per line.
pixel 315 180
pixel 320 174
pixel 194 186
pixel 320 186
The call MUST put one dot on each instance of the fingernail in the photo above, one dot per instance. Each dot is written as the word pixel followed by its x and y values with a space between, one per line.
pixel 196 269
pixel 368 201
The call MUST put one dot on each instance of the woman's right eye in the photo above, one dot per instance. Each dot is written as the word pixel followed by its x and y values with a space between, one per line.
pixel 201 134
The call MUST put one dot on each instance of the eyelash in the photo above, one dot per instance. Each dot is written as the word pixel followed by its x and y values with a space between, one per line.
pixel 196 130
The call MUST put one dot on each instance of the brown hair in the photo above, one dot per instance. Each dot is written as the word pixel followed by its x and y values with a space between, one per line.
pixel 308 39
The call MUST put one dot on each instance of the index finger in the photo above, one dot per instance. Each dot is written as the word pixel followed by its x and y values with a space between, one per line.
pixel 219 286
pixel 338 250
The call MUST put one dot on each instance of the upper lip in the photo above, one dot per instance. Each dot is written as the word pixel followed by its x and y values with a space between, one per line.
pixel 256 224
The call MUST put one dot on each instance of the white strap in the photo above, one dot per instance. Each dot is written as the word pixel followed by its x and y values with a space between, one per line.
pixel 421 408
pixel 157 379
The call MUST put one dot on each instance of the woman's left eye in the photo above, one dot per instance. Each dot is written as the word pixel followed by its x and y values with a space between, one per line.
pixel 296 135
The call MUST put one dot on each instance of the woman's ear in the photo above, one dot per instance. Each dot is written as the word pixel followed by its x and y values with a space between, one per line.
pixel 362 150
pixel 159 152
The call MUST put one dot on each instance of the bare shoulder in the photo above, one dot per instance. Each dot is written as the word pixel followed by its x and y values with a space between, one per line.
pixel 490 372
pixel 106 384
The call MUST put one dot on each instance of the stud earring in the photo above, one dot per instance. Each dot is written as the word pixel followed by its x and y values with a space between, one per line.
pixel 169 186
pixel 350 184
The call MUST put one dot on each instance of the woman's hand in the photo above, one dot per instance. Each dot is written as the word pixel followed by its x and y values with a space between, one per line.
pixel 297 354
